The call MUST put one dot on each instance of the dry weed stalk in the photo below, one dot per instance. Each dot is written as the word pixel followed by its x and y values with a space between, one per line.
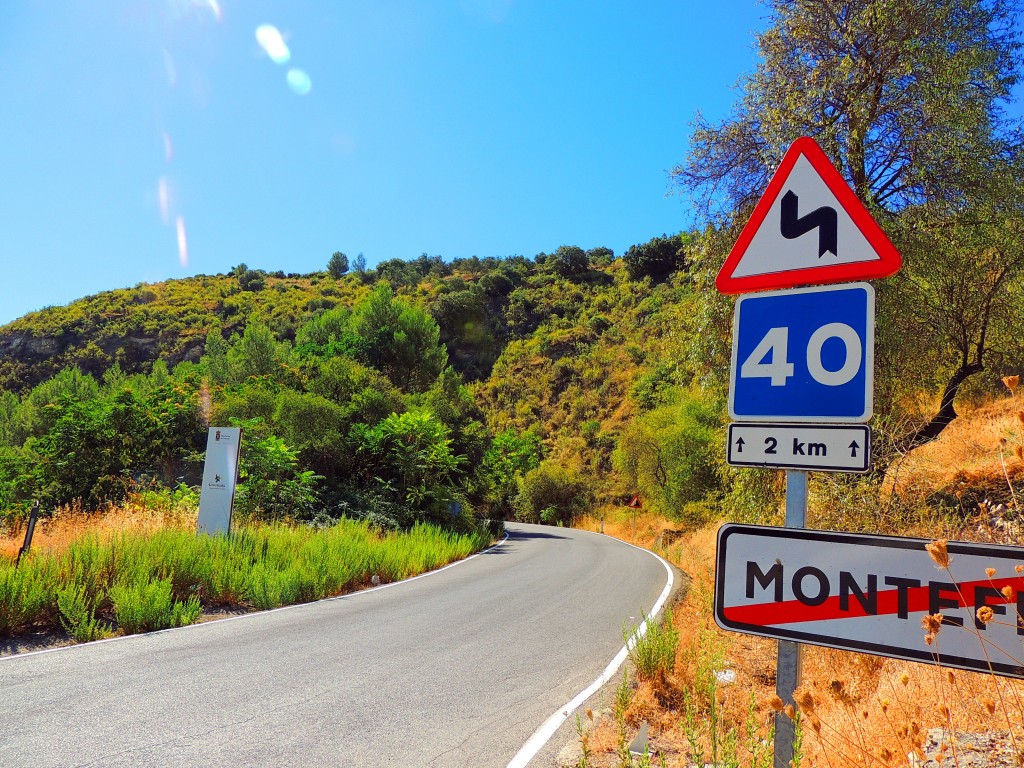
pixel 864 710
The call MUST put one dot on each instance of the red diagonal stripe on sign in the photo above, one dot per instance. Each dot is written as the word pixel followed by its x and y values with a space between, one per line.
pixel 793 611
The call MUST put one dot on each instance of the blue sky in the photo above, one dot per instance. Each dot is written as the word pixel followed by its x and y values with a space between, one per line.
pixel 151 139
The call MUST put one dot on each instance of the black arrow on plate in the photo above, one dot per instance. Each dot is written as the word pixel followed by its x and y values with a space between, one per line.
pixel 853 449
pixel 739 445
pixel 824 219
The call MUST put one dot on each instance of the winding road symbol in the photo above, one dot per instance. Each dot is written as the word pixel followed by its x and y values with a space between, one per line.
pixel 824 219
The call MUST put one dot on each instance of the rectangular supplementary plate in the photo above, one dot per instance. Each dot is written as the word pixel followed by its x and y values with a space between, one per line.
pixel 814 447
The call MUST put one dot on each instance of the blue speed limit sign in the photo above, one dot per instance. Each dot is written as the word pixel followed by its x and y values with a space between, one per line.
pixel 804 355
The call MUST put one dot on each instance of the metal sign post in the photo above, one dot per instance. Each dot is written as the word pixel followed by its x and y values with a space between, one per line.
pixel 787 676
pixel 802 358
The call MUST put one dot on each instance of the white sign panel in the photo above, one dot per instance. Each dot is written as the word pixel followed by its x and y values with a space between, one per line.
pixel 871 593
pixel 220 473
pixel 808 223
pixel 821 447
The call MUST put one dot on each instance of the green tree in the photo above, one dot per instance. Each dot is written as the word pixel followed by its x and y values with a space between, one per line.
pixel 401 340
pixel 215 356
pixel 509 456
pixel 252 280
pixel 669 456
pixel 658 258
pixel 600 256
pixel 257 352
pixel 316 428
pixel 568 261
pixel 35 418
pixel 337 265
pixel 552 494
pixel 909 99
pixel 329 334
pixel 9 408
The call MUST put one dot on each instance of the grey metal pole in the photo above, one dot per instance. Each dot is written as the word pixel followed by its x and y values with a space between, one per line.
pixel 787 676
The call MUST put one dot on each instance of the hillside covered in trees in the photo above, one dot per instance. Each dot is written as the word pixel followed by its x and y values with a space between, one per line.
pixel 537 386
pixel 519 387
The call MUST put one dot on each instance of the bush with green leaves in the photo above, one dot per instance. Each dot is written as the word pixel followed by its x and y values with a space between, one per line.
pixel 94 449
pixel 509 456
pixel 653 653
pixel 78 613
pixel 271 484
pixel 409 456
pixel 552 494
pixel 670 456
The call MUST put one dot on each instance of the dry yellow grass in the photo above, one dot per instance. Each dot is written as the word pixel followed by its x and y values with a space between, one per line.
pixel 867 710
pixel 68 524
pixel 978 450
pixel 859 710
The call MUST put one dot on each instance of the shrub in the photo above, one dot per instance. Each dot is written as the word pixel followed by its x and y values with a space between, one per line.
pixel 670 456
pixel 552 494
pixel 654 653
pixel 25 593
pixel 271 484
pixel 141 605
pixel 78 613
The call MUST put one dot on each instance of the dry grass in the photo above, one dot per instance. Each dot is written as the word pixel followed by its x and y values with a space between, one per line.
pixel 867 710
pixel 978 456
pixel 140 514
pixel 859 710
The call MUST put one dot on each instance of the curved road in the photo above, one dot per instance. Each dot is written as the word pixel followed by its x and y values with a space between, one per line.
pixel 458 668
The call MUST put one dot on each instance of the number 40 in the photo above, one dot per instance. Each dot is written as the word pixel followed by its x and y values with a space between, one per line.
pixel 776 345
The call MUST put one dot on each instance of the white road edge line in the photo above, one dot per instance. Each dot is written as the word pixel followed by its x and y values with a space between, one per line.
pixel 346 596
pixel 543 734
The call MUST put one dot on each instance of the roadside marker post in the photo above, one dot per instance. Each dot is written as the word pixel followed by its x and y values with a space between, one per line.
pixel 803 358
pixel 30 529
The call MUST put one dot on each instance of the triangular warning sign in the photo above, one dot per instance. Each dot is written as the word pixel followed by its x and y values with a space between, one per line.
pixel 808 228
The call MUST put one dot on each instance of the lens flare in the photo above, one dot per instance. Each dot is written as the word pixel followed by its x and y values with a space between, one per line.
pixel 170 70
pixel 182 242
pixel 163 195
pixel 273 43
pixel 168 147
pixel 214 6
pixel 299 81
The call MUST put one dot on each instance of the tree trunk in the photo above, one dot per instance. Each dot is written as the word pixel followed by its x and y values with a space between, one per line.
pixel 934 426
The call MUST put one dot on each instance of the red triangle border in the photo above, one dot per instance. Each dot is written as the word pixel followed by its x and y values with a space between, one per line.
pixel 889 261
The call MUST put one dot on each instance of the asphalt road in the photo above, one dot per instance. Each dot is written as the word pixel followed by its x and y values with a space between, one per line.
pixel 458 668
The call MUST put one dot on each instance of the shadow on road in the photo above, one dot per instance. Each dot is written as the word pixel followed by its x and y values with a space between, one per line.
pixel 534 535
